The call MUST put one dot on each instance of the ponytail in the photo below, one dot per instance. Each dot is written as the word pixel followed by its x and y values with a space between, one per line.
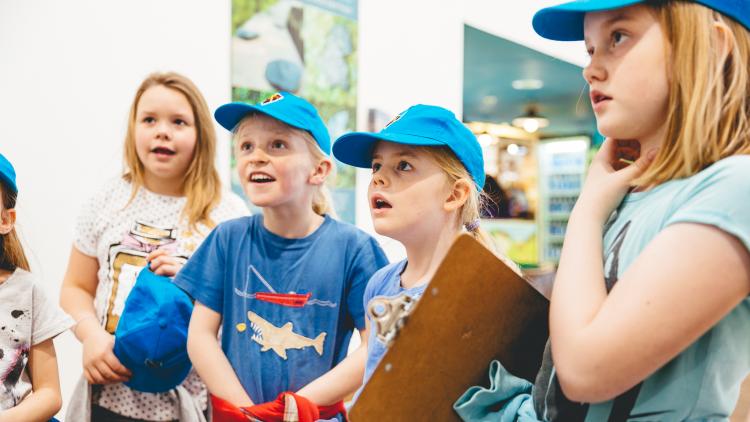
pixel 470 211
pixel 470 214
pixel 480 235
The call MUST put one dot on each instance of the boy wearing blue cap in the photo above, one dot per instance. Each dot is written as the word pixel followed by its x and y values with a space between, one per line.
pixel 650 310
pixel 30 388
pixel 284 286
pixel 427 175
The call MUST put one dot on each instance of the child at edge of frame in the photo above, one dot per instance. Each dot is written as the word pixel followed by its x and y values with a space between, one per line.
pixel 651 293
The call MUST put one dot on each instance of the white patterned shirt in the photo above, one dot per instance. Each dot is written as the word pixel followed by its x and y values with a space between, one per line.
pixel 120 235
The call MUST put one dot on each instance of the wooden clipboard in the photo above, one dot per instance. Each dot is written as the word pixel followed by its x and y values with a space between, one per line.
pixel 474 310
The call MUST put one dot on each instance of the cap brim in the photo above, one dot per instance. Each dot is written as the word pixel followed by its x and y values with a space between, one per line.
pixel 564 22
pixel 151 380
pixel 356 148
pixel 144 379
pixel 229 115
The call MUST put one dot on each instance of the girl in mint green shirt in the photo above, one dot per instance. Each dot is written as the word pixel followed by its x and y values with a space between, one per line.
pixel 650 315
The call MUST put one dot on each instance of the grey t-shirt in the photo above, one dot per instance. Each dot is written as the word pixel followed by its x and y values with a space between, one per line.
pixel 27 318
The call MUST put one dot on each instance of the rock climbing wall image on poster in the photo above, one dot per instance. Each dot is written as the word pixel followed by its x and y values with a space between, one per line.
pixel 308 48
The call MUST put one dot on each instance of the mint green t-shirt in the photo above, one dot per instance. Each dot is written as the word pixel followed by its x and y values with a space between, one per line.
pixel 702 383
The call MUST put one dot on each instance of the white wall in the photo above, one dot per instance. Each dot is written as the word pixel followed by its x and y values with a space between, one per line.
pixel 68 71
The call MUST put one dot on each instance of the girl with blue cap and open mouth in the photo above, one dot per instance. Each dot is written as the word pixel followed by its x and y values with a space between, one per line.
pixel 650 312
pixel 427 178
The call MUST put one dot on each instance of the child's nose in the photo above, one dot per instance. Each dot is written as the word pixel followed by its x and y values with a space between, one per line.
pixel 379 179
pixel 258 156
pixel 162 131
pixel 594 71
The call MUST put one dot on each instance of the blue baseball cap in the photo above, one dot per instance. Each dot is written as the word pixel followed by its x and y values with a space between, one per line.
pixel 419 125
pixel 284 107
pixel 564 22
pixel 8 174
pixel 151 335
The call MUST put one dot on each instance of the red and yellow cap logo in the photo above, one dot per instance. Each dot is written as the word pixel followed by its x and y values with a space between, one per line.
pixel 272 99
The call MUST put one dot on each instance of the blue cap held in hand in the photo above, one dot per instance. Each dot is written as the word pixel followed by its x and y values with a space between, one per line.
pixel 564 22
pixel 419 125
pixel 151 335
pixel 8 174
pixel 282 106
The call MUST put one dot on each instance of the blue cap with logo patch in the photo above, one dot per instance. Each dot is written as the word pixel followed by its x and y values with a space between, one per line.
pixel 419 125
pixel 8 174
pixel 282 106
pixel 564 22
pixel 151 335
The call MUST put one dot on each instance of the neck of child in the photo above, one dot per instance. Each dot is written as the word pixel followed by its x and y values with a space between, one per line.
pixel 648 143
pixel 164 186
pixel 653 140
pixel 291 222
pixel 425 253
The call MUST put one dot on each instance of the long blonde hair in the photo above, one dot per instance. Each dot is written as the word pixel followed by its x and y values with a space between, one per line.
pixel 322 203
pixel 470 211
pixel 709 91
pixel 12 255
pixel 202 186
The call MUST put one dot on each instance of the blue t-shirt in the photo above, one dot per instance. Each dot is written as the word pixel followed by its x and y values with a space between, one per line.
pixel 385 284
pixel 288 306
pixel 703 382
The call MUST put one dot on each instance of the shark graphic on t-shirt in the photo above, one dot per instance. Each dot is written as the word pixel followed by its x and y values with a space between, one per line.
pixel 280 339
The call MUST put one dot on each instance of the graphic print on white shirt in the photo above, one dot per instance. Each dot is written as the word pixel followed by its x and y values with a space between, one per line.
pixel 128 258
pixel 15 329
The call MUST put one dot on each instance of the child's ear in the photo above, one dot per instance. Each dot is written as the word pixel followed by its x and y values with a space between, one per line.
pixel 725 38
pixel 458 195
pixel 320 172
pixel 7 220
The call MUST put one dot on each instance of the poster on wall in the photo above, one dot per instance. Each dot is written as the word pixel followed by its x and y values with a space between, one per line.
pixel 306 47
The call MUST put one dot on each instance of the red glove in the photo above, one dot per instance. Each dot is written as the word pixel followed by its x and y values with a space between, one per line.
pixel 330 411
pixel 223 411
pixel 287 407
pixel 306 410
pixel 290 407
pixel 271 411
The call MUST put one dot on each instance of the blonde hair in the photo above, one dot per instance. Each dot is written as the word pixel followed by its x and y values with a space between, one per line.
pixel 202 186
pixel 471 210
pixel 12 255
pixel 322 203
pixel 709 91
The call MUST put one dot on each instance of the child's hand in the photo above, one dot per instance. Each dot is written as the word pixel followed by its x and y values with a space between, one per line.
pixel 100 365
pixel 163 264
pixel 608 179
